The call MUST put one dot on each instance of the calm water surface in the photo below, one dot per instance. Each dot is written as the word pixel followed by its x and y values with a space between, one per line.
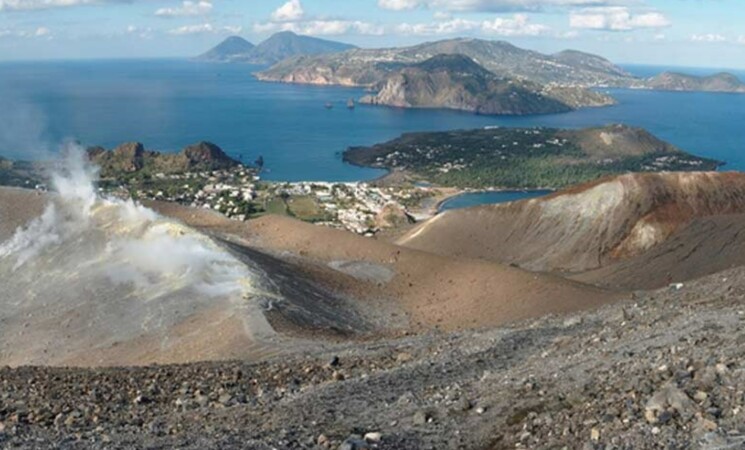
pixel 168 104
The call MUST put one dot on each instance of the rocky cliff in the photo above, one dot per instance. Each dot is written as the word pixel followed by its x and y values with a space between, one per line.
pixel 133 158
pixel 457 82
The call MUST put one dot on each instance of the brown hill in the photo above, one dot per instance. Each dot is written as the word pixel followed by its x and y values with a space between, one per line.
pixel 705 246
pixel 431 291
pixel 301 281
pixel 585 227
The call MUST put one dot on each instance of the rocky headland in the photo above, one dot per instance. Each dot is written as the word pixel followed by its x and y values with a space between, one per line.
pixel 457 82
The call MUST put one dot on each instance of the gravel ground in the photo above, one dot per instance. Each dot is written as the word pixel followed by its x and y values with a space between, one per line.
pixel 661 370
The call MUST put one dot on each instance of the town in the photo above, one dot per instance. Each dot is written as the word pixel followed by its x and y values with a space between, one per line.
pixel 240 194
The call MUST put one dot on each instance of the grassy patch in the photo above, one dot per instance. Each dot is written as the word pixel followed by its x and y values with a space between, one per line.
pixel 306 208
pixel 276 206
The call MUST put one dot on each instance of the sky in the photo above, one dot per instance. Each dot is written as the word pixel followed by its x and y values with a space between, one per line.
pixel 693 33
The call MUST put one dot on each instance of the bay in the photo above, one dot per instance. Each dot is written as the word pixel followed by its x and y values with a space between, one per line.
pixel 168 104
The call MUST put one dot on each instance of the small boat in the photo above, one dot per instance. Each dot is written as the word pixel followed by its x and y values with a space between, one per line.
pixel 328 105
pixel 350 103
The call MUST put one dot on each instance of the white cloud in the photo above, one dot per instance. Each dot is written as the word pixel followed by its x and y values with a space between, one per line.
pixel 232 29
pixel 496 5
pixel 205 28
pixel 321 27
pixel 40 32
pixel 142 32
pixel 741 40
pixel 20 5
pixel 187 8
pixel 452 26
pixel 291 17
pixel 616 18
pixel 516 25
pixel 709 37
pixel 399 5
pixel 289 12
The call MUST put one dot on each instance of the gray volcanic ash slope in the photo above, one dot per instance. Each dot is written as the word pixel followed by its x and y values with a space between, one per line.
pixel 98 281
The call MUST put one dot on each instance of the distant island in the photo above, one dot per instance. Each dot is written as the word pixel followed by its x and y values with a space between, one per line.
pixel 456 82
pixel 500 78
pixel 276 48
pixel 674 81
pixel 569 75
pixel 473 75
pixel 368 67
pixel 525 158
pixel 232 49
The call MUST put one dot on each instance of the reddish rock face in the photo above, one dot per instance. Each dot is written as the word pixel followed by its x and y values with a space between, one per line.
pixel 207 152
pixel 131 155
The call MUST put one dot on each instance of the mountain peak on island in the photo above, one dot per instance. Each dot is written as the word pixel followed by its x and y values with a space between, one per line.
pixel 231 48
pixel 285 44
pixel 274 49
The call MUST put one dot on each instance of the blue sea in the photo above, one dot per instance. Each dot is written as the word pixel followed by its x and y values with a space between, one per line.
pixel 168 104
pixel 488 197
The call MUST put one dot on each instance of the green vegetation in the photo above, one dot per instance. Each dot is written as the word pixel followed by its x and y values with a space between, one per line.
pixel 302 207
pixel 306 208
pixel 277 206
pixel 526 158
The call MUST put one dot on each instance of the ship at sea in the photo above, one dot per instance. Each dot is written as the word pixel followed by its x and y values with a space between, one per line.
pixel 328 105
pixel 350 103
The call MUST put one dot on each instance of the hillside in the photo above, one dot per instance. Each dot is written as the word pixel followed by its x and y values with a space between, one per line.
pixel 367 67
pixel 457 82
pixel 296 280
pixel 600 224
pixel 654 368
pixel 274 49
pixel 230 50
pixel 132 158
pixel 590 63
pixel 424 350
pixel 525 158
pixel 707 244
pixel 673 81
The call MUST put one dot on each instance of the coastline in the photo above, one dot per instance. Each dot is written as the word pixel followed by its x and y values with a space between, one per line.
pixel 446 199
